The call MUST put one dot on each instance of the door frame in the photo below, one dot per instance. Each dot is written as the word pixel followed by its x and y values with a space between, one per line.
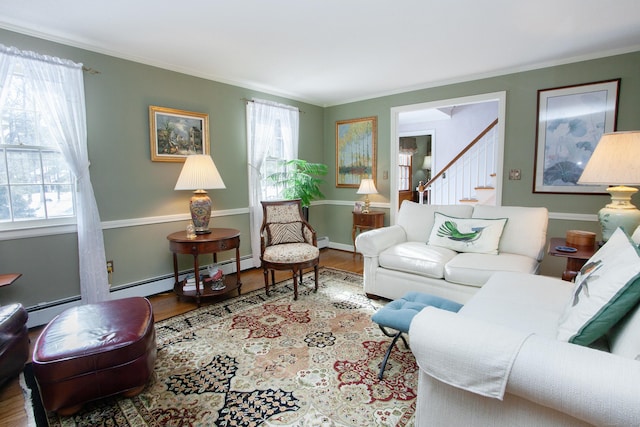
pixel 500 97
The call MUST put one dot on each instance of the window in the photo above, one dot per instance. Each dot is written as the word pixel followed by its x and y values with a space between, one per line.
pixel 273 163
pixel 272 136
pixel 404 172
pixel 36 184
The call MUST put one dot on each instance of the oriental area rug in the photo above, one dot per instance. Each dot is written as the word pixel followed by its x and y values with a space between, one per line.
pixel 271 361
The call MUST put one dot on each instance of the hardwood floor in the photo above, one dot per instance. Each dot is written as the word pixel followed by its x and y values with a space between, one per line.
pixel 165 305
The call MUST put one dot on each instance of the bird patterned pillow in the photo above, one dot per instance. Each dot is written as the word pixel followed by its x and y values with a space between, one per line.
pixel 605 290
pixel 477 235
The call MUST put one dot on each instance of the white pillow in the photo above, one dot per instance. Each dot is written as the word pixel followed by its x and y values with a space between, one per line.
pixel 467 234
pixel 607 287
pixel 289 232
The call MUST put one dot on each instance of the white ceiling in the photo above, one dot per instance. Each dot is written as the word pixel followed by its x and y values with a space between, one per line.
pixel 329 52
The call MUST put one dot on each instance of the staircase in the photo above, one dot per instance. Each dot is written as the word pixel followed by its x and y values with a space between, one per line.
pixel 470 177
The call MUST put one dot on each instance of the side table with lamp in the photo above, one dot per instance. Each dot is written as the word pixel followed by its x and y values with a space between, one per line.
pixel 199 173
pixel 366 219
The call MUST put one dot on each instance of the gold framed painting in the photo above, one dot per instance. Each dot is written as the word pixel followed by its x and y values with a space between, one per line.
pixel 355 151
pixel 176 134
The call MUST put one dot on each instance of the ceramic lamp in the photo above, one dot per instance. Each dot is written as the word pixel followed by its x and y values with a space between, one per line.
pixel 367 186
pixel 199 173
pixel 616 162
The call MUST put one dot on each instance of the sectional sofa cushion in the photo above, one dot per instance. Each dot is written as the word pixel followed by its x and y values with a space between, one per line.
pixel 417 258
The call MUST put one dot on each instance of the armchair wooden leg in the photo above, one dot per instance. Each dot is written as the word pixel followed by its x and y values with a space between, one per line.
pixel 266 280
pixel 315 273
pixel 295 285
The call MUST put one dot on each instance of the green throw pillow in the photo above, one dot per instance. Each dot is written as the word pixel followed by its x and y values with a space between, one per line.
pixel 467 234
pixel 607 287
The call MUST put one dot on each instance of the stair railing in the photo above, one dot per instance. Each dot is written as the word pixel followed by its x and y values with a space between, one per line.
pixel 472 168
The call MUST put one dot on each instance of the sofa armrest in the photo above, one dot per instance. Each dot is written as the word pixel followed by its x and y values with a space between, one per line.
pixel 592 385
pixel 595 386
pixel 372 242
pixel 464 352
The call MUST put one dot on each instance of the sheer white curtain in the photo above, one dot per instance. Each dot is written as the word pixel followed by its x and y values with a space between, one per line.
pixel 60 86
pixel 262 119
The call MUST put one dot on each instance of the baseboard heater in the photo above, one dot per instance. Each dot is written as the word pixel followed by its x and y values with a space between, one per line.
pixel 323 242
pixel 42 313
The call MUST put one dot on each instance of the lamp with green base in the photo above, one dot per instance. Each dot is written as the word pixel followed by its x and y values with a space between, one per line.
pixel 616 162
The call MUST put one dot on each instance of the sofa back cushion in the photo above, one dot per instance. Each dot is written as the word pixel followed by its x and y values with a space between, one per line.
pixel 525 232
pixel 417 219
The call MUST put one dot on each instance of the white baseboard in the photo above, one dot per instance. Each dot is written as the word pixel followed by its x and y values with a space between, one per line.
pixel 323 242
pixel 42 315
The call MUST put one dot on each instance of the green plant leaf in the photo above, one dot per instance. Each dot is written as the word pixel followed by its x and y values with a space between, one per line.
pixel 300 180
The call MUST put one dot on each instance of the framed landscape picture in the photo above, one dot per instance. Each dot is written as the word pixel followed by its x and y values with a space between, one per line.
pixel 355 151
pixel 176 134
pixel 571 120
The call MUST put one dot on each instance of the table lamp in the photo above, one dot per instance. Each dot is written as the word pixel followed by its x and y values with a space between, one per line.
pixel 426 165
pixel 199 173
pixel 367 186
pixel 616 162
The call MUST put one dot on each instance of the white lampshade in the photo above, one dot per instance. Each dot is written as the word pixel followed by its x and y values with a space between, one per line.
pixel 367 186
pixel 616 162
pixel 426 164
pixel 199 173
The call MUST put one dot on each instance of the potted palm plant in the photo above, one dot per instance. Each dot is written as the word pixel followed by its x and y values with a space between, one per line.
pixel 300 180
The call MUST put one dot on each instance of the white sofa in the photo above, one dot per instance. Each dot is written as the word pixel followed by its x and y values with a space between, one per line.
pixel 497 361
pixel 397 258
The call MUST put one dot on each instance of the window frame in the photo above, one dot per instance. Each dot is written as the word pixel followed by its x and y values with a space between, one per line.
pixel 24 103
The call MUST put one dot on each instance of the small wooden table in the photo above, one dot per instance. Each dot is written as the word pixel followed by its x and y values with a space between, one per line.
pixel 365 221
pixel 8 279
pixel 220 239
pixel 575 260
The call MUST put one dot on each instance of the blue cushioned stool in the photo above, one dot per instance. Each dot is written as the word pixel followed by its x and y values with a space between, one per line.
pixel 399 313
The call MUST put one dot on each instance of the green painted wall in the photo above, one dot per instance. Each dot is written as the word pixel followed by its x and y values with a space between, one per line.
pixel 128 186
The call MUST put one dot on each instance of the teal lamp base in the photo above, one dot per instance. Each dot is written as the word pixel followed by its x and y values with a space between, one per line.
pixel 619 213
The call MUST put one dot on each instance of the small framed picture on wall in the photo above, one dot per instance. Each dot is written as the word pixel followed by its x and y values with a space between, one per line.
pixel 176 134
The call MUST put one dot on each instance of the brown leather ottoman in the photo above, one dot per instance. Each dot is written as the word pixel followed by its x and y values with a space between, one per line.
pixel 93 351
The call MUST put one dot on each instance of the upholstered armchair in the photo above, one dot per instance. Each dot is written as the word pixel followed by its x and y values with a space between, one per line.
pixel 287 242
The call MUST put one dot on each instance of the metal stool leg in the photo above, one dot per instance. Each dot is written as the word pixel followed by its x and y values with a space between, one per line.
pixel 393 343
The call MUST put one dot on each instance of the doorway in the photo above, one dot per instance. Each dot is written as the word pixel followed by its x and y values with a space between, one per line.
pixel 405 121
